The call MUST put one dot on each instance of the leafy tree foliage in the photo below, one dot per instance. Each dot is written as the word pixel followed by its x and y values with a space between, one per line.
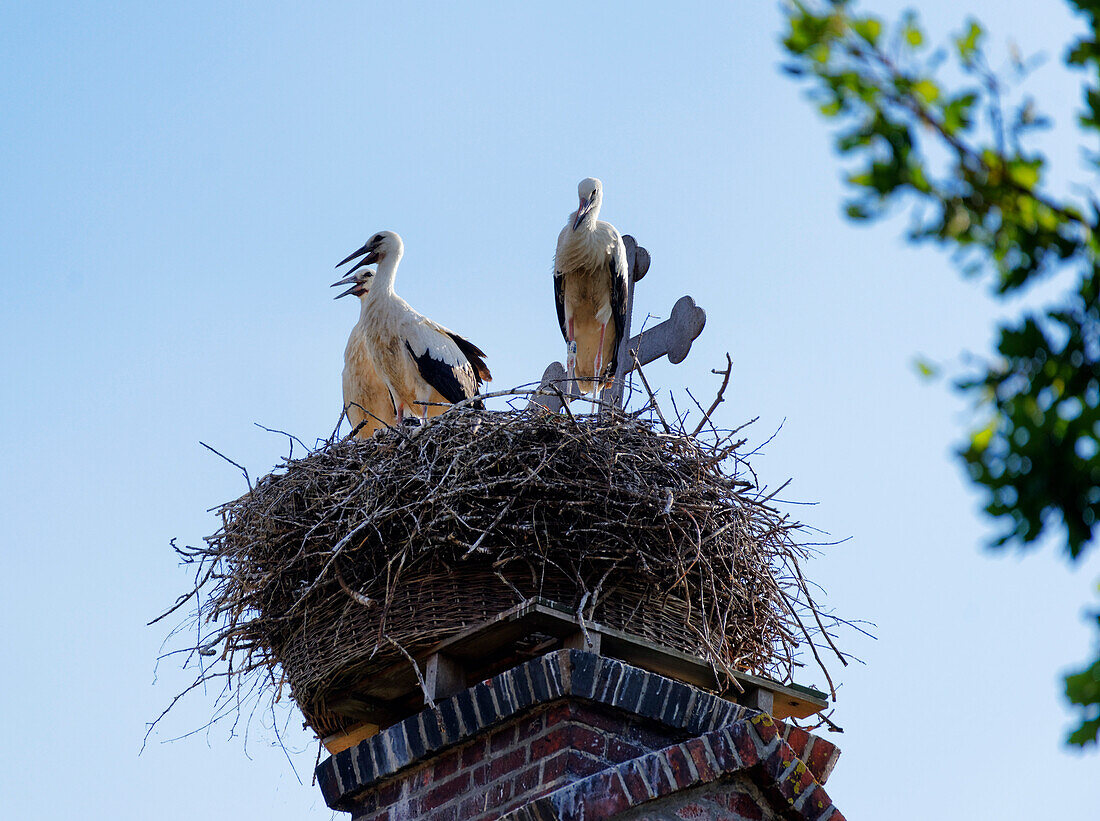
pixel 957 151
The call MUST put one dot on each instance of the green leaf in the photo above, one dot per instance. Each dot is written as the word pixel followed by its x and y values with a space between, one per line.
pixel 968 43
pixel 1083 689
pixel 927 90
pixel 913 35
pixel 855 211
pixel 980 439
pixel 1025 173
pixel 926 369
pixel 957 112
pixel 868 28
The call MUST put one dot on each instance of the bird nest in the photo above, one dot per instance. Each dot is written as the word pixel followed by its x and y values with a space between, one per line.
pixel 364 553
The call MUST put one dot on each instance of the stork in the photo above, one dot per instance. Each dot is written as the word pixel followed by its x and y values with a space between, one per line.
pixel 367 400
pixel 591 290
pixel 423 364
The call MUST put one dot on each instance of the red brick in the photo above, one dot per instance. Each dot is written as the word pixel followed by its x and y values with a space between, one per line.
pixel 505 763
pixel 527 780
pixel 473 753
pixel 798 739
pixel 783 757
pixel 725 754
pixel 741 803
pixel 446 791
pixel 817 804
pixel 499 793
pixel 481 775
pixel 764 727
pixel 444 814
pixel 389 793
pixel 529 727
pixel 554 768
pixel 588 740
pixel 657 774
pixel 548 744
pixel 745 806
pixel 604 799
pixel 802 777
pixel 580 764
pixel 610 722
pixel 635 785
pixel 678 762
pixel 502 739
pixel 797 782
pixel 619 750
pixel 744 744
pixel 820 758
pixel 698 752
pixel 694 812
pixel 446 766
pixel 651 739
pixel 557 714
pixel 775 765
pixel 473 807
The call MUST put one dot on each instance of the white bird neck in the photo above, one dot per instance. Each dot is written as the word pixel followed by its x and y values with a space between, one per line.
pixel 588 224
pixel 382 281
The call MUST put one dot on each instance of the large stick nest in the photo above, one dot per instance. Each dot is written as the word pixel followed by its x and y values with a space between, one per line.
pixel 363 551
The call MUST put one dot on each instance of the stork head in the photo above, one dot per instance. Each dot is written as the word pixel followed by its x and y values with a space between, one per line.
pixel 359 280
pixel 381 245
pixel 590 190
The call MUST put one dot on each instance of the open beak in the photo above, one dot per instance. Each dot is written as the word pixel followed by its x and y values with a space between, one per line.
pixel 581 211
pixel 357 286
pixel 371 257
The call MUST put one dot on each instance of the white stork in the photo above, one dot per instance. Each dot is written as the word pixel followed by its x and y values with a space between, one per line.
pixel 367 400
pixel 590 289
pixel 419 360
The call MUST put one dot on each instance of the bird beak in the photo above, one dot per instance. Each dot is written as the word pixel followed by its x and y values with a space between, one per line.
pixel 357 284
pixel 580 213
pixel 372 257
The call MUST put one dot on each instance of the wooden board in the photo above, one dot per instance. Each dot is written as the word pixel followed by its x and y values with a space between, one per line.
pixel 539 626
pixel 338 742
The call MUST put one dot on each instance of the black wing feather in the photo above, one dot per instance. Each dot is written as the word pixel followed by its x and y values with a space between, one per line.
pixel 454 383
pixel 559 303
pixel 620 290
pixel 474 355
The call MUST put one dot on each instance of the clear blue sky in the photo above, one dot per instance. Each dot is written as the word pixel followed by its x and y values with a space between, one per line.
pixel 176 184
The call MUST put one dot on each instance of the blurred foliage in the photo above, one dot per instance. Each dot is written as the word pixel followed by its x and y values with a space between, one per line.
pixel 937 129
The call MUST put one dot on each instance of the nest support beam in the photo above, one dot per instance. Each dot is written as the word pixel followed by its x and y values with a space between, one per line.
pixel 532 628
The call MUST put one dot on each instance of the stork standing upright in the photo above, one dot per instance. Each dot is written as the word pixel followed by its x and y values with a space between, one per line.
pixel 367 400
pixel 591 288
pixel 420 361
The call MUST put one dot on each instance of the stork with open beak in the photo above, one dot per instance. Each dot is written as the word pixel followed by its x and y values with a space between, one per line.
pixel 591 290
pixel 367 400
pixel 423 364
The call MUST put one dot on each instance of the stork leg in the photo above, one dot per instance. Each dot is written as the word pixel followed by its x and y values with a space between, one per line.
pixel 400 413
pixel 597 392
pixel 570 360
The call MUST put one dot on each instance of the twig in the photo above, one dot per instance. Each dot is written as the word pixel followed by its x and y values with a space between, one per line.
pixel 717 399
pixel 230 461
pixel 416 669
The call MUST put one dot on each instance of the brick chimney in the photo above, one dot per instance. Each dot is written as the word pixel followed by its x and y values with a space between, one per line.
pixel 576 735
